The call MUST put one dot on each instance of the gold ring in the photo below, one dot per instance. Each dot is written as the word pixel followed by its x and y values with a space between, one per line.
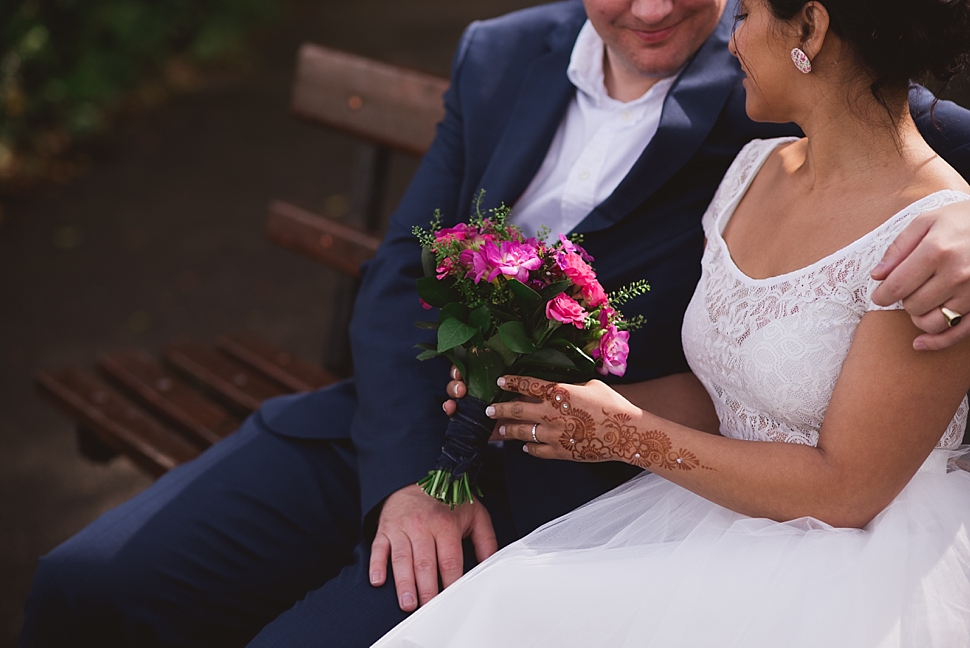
pixel 534 438
pixel 952 317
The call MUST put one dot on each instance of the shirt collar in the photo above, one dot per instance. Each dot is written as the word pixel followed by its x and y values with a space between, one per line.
pixel 585 71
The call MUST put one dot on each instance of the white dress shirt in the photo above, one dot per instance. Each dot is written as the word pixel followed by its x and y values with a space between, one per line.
pixel 597 143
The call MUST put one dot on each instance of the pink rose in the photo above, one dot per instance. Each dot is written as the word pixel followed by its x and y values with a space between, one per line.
pixel 613 351
pixel 567 310
pixel 575 268
pixel 594 294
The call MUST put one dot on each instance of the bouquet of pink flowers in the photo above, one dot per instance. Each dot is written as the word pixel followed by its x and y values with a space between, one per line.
pixel 511 305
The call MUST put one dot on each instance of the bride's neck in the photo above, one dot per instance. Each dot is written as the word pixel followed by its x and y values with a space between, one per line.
pixel 858 138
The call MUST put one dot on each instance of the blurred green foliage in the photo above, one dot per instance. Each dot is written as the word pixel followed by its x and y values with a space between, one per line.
pixel 66 65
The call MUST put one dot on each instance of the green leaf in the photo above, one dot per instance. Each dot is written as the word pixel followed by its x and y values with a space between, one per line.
pixel 427 325
pixel 455 310
pixel 429 263
pixel 548 358
pixel 458 357
pixel 496 344
pixel 427 355
pixel 515 338
pixel 484 368
pixel 452 333
pixel 437 293
pixel 480 318
pixel 426 346
pixel 529 299
pixel 552 290
pixel 501 314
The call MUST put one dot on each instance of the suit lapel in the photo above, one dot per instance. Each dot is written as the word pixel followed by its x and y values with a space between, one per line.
pixel 689 113
pixel 546 92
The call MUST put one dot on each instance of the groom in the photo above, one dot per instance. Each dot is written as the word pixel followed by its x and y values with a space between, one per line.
pixel 281 535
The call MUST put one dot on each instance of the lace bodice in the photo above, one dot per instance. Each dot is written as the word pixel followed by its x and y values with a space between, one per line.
pixel 769 351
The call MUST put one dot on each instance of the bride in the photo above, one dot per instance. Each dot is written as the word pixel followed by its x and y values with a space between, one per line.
pixel 821 512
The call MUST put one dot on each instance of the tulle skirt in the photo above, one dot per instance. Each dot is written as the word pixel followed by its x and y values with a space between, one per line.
pixel 652 564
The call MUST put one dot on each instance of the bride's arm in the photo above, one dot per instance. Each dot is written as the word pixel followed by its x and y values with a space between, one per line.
pixel 680 398
pixel 889 409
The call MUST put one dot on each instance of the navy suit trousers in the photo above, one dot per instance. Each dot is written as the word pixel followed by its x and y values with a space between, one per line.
pixel 258 540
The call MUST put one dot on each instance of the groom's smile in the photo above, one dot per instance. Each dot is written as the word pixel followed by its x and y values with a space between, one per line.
pixel 653 38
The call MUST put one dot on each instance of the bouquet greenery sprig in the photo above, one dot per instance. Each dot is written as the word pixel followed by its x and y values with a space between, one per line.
pixel 511 305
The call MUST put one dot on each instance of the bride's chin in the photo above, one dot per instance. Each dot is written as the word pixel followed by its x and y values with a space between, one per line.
pixel 759 112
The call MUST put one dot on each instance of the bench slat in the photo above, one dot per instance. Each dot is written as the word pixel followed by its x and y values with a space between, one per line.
pixel 168 397
pixel 238 385
pixel 334 244
pixel 279 365
pixel 387 104
pixel 115 420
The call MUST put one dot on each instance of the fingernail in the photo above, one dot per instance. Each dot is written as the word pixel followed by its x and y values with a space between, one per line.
pixel 501 381
pixel 501 430
pixel 444 408
pixel 525 449
pixel 455 389
pixel 919 345
pixel 489 411
pixel 407 600
pixel 375 578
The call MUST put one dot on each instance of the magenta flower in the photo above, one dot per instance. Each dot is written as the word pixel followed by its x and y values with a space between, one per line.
pixel 571 248
pixel 567 310
pixel 477 264
pixel 459 232
pixel 425 305
pixel 613 351
pixel 445 268
pixel 511 259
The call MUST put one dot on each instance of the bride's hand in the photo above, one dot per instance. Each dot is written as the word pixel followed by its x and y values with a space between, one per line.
pixel 588 422
pixel 456 389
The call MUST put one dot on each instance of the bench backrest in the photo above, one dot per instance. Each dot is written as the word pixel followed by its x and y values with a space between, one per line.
pixel 386 104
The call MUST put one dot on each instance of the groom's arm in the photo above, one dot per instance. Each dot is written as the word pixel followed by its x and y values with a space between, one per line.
pixel 928 266
pixel 399 425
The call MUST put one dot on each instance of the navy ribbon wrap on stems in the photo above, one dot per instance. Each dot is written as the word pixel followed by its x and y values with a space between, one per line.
pixel 462 454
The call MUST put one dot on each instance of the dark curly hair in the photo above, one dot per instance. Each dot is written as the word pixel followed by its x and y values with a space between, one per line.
pixel 897 41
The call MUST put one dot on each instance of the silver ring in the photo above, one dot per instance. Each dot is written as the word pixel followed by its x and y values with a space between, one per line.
pixel 952 317
pixel 534 426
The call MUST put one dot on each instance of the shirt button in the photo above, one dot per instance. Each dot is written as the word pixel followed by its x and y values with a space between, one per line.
pixel 584 175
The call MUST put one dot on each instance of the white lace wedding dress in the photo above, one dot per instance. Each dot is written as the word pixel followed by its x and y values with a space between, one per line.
pixel 652 564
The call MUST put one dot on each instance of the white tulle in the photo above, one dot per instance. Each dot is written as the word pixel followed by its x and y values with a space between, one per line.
pixel 651 564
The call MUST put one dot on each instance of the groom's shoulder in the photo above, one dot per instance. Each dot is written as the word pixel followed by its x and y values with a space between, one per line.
pixel 530 28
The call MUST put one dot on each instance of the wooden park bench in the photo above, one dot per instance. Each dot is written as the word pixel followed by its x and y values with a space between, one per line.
pixel 163 411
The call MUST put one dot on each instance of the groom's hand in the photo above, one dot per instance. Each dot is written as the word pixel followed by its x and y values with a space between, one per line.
pixel 926 267
pixel 422 537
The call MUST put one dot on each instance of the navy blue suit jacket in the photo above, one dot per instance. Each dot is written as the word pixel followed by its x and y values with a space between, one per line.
pixel 508 94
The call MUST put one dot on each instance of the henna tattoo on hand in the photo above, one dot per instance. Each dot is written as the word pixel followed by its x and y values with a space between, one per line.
pixel 619 440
